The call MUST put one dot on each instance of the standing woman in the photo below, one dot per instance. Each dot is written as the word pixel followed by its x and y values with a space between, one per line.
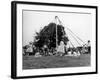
pixel 61 48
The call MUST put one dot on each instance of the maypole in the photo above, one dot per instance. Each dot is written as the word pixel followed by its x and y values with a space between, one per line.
pixel 56 33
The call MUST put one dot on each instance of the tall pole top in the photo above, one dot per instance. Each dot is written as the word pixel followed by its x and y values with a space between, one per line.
pixel 56 17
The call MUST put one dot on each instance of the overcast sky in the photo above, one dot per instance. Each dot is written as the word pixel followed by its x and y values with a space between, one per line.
pixel 80 24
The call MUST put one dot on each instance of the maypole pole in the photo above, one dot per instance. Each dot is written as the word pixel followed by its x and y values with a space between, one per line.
pixel 56 33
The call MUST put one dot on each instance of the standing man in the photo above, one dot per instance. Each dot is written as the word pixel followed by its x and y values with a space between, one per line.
pixel 89 46
pixel 45 50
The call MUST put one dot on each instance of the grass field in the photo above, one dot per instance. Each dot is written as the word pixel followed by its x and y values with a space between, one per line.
pixel 31 62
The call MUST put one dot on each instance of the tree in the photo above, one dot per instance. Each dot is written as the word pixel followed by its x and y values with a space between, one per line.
pixel 48 36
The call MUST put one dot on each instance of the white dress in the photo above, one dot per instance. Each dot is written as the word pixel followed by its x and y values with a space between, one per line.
pixel 29 49
pixel 61 47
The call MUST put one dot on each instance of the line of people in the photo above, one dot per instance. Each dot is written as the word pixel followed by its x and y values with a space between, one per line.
pixel 61 50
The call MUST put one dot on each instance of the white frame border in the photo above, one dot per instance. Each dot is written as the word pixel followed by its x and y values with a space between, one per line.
pixel 37 72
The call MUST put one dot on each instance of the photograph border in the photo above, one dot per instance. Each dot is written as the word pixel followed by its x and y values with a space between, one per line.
pixel 14 38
